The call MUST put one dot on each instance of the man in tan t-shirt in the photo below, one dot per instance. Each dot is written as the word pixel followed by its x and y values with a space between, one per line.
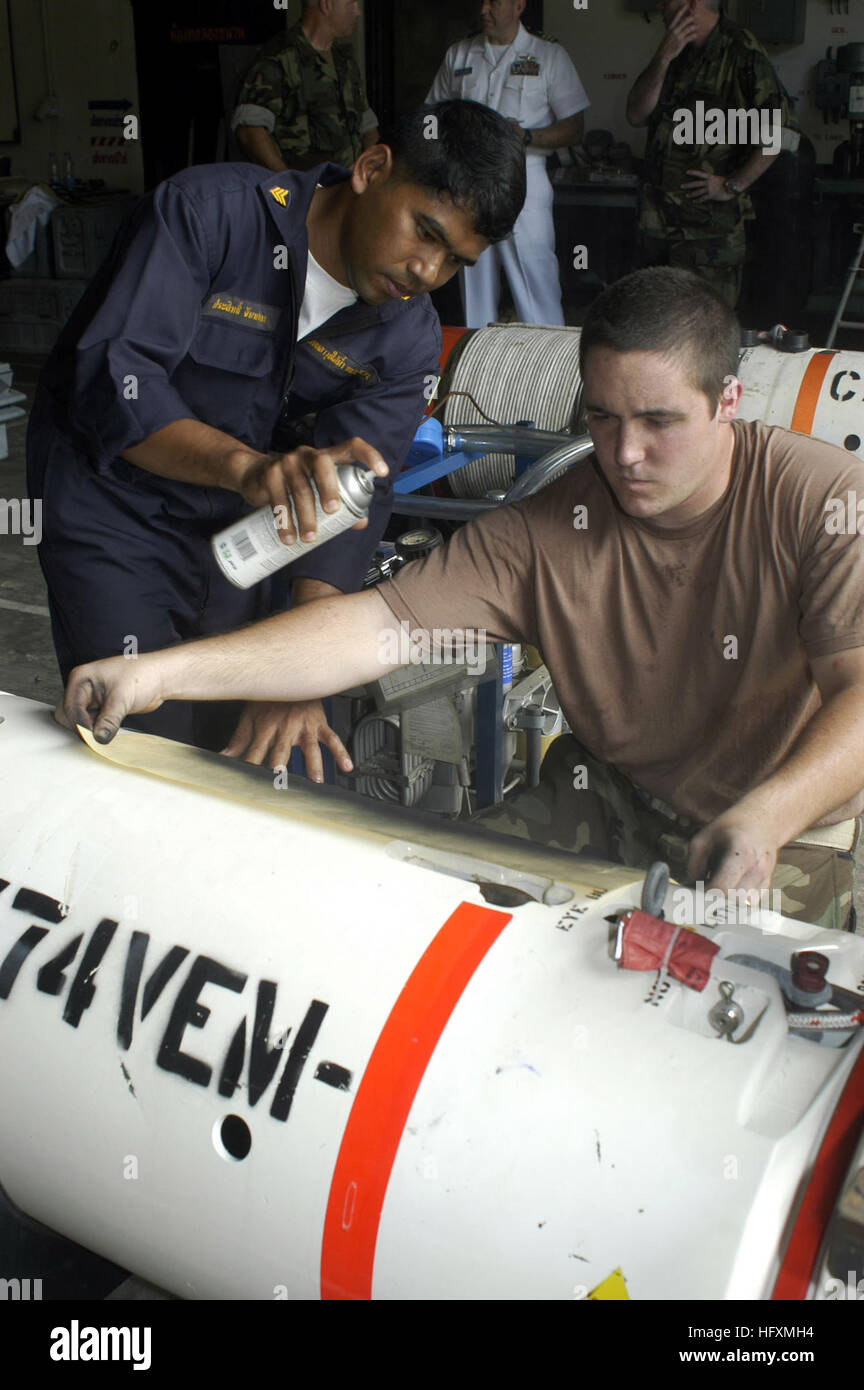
pixel 697 605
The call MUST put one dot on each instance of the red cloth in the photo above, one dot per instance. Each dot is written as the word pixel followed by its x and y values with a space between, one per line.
pixel 645 941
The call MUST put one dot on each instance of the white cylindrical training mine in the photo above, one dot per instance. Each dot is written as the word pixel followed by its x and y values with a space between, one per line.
pixel 302 1047
pixel 819 392
pixel 250 549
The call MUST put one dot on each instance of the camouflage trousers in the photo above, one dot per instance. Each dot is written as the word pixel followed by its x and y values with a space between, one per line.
pixel 590 808
pixel 719 261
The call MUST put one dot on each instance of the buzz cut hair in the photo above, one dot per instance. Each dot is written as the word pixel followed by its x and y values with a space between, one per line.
pixel 671 312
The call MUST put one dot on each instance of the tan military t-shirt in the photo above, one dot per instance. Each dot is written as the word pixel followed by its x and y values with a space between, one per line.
pixel 680 656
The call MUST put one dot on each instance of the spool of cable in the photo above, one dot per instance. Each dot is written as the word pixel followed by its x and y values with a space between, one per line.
pixel 514 372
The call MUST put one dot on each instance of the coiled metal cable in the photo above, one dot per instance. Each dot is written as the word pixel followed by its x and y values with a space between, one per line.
pixel 515 372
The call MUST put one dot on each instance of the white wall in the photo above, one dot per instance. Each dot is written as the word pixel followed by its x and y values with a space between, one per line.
pixel 610 47
pixel 92 57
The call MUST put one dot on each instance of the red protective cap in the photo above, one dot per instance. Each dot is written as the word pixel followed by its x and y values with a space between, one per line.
pixel 809 969
pixel 644 942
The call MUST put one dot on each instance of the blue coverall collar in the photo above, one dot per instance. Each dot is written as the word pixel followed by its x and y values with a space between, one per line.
pixel 287 196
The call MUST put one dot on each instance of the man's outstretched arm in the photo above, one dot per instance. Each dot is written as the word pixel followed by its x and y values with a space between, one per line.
pixel 824 771
pixel 315 650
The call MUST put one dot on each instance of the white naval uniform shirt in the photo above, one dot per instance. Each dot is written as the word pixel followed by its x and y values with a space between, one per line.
pixel 531 81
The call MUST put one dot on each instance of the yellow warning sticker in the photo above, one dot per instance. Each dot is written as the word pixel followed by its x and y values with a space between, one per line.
pixel 613 1287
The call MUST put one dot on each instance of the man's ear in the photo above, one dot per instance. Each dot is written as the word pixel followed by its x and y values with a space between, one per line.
pixel 374 165
pixel 730 399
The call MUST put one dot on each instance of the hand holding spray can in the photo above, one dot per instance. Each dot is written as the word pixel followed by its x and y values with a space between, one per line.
pixel 251 548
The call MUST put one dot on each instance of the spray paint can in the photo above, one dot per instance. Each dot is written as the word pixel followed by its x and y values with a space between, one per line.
pixel 250 549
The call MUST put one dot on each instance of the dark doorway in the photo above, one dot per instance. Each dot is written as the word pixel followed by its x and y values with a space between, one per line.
pixel 405 46
pixel 177 45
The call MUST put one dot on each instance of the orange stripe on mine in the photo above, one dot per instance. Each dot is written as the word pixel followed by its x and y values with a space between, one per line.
pixel 808 392
pixel 386 1094
pixel 823 1190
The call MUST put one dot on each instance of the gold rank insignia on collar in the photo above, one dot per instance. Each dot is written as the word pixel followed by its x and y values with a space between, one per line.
pixel 280 194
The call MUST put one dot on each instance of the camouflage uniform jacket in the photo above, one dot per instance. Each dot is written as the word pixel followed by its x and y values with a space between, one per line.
pixel 731 72
pixel 312 108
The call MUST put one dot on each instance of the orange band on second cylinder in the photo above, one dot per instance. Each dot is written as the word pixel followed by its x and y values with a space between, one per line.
pixel 808 392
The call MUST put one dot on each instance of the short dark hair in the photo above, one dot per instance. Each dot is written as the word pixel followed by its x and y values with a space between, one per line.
pixel 669 311
pixel 470 153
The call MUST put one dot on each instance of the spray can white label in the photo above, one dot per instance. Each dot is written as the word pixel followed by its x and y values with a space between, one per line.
pixel 251 549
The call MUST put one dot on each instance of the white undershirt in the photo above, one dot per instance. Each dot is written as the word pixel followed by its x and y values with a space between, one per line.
pixel 322 298
pixel 496 52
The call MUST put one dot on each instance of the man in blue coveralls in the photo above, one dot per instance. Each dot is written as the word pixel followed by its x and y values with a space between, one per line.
pixel 230 293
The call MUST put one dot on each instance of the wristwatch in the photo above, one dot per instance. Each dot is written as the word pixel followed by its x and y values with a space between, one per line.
pixel 527 137
pixel 732 187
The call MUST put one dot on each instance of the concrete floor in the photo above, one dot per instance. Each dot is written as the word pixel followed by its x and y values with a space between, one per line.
pixel 27 664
